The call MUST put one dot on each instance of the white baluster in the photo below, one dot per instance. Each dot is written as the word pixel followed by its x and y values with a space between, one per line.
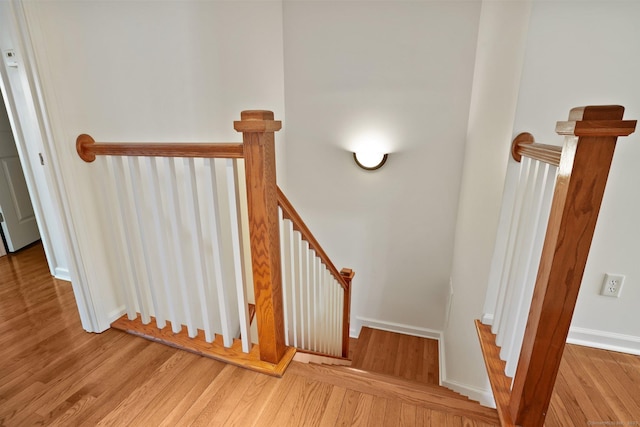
pixel 128 240
pixel 328 286
pixel 337 331
pixel 237 192
pixel 521 257
pixel 524 235
pixel 340 320
pixel 162 244
pixel 146 238
pixel 299 301
pixel 543 207
pixel 313 304
pixel 318 303
pixel 284 268
pixel 122 248
pixel 175 224
pixel 213 200
pixel 291 284
pixel 306 283
pixel 513 228
pixel 495 286
pixel 197 249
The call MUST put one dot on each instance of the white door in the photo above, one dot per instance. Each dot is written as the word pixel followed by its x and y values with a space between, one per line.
pixel 18 219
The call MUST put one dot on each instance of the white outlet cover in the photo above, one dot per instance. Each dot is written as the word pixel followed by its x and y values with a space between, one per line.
pixel 612 285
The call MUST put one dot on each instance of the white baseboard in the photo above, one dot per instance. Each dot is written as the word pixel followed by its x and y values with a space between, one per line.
pixel 485 397
pixel 604 340
pixel 397 327
pixel 354 333
pixel 62 274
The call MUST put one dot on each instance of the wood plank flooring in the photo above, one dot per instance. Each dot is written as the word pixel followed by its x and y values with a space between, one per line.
pixel 596 387
pixel 54 373
pixel 403 356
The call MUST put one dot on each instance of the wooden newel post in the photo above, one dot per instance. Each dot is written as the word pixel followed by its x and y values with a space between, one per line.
pixel 258 129
pixel 591 135
pixel 347 274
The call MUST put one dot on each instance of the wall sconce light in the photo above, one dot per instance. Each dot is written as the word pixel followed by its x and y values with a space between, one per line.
pixel 370 161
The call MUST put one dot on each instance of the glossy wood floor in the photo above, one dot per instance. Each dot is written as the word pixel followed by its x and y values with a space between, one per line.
pixel 54 373
pixel 403 356
pixel 596 388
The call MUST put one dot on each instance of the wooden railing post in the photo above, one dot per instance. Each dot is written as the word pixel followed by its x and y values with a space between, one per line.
pixel 258 129
pixel 591 135
pixel 347 274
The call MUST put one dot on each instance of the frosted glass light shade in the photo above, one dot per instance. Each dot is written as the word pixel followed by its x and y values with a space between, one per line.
pixel 369 160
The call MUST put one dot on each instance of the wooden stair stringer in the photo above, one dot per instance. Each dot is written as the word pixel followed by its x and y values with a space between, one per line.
pixel 500 382
pixel 411 392
pixel 214 350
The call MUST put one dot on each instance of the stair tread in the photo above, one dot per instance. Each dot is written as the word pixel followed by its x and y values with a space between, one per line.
pixel 415 393
pixel 404 382
pixel 392 353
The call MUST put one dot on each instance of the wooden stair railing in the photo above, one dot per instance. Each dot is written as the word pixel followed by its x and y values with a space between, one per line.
pixel 583 167
pixel 271 355
pixel 343 277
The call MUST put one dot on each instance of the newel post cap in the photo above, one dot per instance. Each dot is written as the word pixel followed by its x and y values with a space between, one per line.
pixel 257 121
pixel 596 120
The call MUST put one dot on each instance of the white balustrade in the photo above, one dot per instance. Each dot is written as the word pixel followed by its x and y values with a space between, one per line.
pixel 523 221
pixel 312 297
pixel 180 228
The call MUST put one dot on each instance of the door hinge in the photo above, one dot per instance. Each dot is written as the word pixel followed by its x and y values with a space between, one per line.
pixel 41 159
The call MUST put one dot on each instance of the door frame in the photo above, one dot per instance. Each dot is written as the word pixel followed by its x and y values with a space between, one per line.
pixel 14 20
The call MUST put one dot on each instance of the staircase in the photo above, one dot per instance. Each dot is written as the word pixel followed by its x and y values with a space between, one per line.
pixel 391 366
pixel 207 240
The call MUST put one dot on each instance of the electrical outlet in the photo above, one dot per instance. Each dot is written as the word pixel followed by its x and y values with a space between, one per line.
pixel 612 285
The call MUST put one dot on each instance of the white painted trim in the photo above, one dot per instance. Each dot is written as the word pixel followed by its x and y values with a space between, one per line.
pixel 487 319
pixel 604 340
pixel 354 333
pixel 117 313
pixel 485 397
pixel 62 274
pixel 442 368
pixel 399 328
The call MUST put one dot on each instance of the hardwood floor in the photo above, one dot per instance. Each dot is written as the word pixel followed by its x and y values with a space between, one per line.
pixel 596 387
pixel 54 373
pixel 403 356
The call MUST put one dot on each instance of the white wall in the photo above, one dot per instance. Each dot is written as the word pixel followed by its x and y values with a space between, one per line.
pixel 498 66
pixel 586 53
pixel 402 71
pixel 148 71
